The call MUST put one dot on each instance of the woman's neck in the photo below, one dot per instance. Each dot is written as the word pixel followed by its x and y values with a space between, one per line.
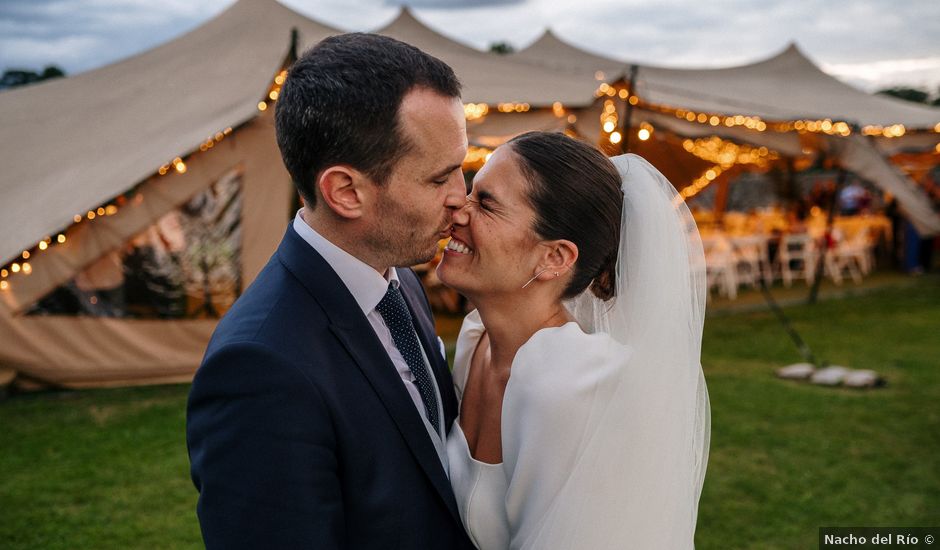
pixel 509 325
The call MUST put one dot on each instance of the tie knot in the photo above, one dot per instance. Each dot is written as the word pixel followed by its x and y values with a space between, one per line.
pixel 392 306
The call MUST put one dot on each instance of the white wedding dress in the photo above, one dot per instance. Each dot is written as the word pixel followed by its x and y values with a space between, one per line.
pixel 605 421
pixel 554 406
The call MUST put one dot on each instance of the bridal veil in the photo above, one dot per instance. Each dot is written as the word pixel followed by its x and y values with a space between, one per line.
pixel 650 449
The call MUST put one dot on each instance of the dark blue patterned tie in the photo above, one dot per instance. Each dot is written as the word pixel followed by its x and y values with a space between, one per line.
pixel 392 308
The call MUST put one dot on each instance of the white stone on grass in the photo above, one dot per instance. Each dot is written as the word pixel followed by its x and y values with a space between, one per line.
pixel 829 376
pixel 796 371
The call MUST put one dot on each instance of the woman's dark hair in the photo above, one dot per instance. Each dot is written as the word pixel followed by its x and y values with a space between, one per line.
pixel 340 103
pixel 575 192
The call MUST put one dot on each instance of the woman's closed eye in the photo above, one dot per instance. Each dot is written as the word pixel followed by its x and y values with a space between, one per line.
pixel 484 202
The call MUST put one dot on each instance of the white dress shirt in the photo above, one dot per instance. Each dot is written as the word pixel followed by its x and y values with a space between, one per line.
pixel 368 287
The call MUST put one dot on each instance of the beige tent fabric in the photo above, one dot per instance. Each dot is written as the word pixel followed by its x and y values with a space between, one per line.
pixel 787 86
pixel 552 52
pixel 74 143
pixel 81 352
pixel 492 79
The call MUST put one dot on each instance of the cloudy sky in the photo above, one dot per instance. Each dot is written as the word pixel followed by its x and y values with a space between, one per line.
pixel 869 43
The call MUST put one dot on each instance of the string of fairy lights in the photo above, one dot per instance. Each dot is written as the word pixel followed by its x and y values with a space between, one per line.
pixel 21 266
pixel 721 153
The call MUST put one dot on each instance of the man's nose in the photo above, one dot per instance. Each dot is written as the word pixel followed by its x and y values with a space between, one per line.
pixel 461 216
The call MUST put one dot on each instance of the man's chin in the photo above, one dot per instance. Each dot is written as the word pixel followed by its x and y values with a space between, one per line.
pixel 422 258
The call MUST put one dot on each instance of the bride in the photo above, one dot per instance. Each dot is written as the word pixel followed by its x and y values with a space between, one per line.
pixel 584 418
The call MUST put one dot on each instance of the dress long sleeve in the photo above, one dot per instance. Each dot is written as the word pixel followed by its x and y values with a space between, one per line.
pixel 558 403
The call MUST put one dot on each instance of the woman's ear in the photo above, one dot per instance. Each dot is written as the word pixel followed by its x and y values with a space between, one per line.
pixel 560 257
pixel 341 189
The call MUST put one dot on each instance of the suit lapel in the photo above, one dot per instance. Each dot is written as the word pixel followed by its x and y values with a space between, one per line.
pixel 355 333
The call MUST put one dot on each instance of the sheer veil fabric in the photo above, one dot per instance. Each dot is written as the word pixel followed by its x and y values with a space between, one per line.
pixel 652 442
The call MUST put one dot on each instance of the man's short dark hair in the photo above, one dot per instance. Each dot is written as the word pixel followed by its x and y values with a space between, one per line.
pixel 340 104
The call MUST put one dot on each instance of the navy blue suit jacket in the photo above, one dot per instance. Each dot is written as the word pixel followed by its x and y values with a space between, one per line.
pixel 300 431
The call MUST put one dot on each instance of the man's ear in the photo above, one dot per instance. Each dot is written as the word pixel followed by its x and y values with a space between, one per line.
pixel 559 257
pixel 341 189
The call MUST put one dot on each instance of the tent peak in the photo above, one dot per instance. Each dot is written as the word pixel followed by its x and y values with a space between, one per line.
pixel 406 13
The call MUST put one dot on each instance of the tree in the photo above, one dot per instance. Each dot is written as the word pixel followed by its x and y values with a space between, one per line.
pixel 21 77
pixel 502 48
pixel 907 94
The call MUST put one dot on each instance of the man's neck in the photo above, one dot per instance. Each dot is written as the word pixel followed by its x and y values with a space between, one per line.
pixel 329 231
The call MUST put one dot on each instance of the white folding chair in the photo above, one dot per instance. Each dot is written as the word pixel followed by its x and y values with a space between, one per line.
pixel 797 258
pixel 720 266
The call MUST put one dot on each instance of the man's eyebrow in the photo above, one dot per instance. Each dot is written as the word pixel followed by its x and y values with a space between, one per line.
pixel 445 171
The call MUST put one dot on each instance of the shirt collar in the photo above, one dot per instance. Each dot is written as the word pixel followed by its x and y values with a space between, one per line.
pixel 367 285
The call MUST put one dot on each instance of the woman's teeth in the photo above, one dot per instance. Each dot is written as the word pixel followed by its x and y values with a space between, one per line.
pixel 457 246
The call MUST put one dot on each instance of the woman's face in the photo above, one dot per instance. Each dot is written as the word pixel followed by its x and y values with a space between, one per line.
pixel 493 248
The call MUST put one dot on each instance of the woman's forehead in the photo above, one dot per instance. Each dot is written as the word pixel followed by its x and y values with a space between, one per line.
pixel 501 176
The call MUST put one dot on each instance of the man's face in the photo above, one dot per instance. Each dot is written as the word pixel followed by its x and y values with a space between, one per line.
pixel 413 210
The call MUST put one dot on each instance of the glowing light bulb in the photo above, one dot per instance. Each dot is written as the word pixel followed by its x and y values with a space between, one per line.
pixel 43 245
pixel 643 134
pixel 60 238
pixel 615 137
pixel 609 126
pixel 262 106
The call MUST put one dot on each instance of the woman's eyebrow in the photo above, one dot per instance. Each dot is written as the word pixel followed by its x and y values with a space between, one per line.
pixel 483 195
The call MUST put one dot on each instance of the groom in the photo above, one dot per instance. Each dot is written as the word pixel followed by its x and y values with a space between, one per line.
pixel 319 414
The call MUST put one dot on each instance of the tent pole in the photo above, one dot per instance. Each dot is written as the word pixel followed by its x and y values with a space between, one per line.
pixel 801 345
pixel 294 42
pixel 628 114
pixel 821 265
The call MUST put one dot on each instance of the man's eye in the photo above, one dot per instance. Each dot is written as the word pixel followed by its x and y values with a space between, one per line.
pixel 441 181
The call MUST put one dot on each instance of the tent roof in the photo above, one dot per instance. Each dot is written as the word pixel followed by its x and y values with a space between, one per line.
pixel 551 51
pixel 73 143
pixel 786 86
pixel 489 78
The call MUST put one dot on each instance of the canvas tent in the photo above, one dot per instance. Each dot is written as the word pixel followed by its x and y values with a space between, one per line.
pixel 119 177
pixel 118 149
pixel 784 103
pixel 142 163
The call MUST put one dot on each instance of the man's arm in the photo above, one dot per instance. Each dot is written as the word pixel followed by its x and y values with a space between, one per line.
pixel 262 453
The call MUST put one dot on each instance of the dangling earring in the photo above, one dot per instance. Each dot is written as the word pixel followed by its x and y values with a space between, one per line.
pixel 536 277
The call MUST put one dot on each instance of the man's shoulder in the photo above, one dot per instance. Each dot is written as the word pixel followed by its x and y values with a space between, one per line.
pixel 275 311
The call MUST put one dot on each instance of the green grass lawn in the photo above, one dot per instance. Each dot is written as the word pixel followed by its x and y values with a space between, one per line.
pixel 108 468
